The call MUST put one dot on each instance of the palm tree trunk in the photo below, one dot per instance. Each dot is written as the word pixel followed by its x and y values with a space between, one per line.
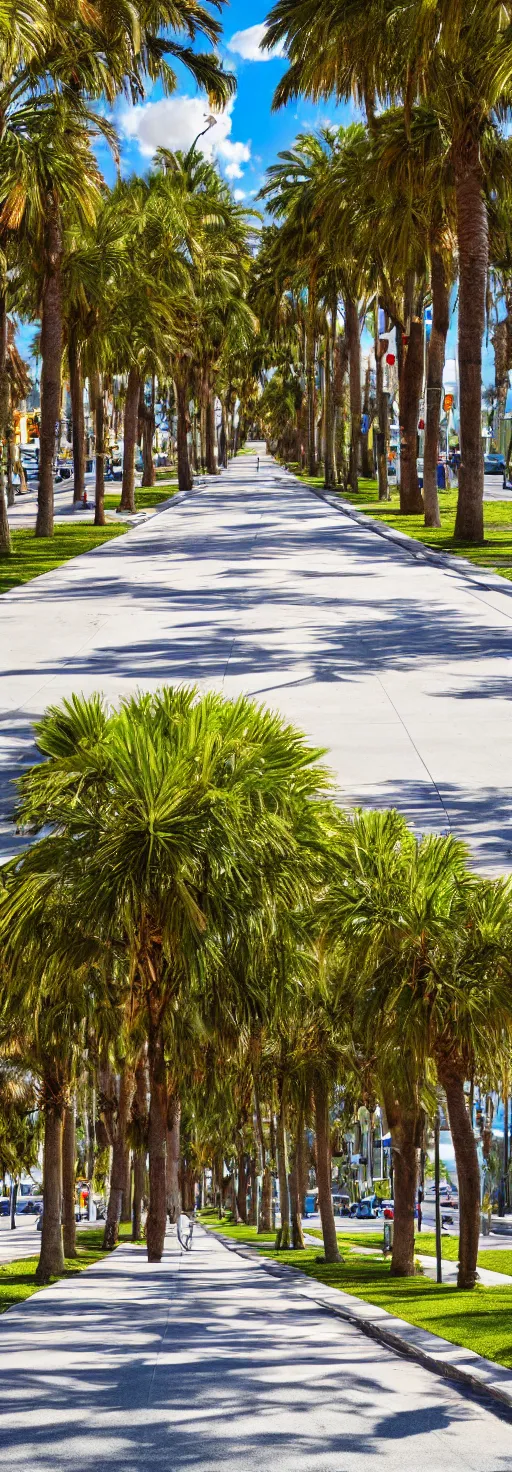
pixel 294 1182
pixel 354 347
pixel 120 1153
pixel 5 536
pixel 382 416
pixel 473 244
pixel 468 1172
pixel 202 431
pixel 310 381
pixel 126 1203
pixel 283 1236
pixel 131 420
pixel 10 459
pixel 252 1214
pixel 51 1257
pixel 411 379
pixel 173 1158
pixel 265 1221
pixel 366 465
pixel 148 435
pixel 184 472
pixel 323 1169
pixel 265 1216
pixel 330 340
pixel 91 1127
pixel 340 399
pixel 51 367
pixel 242 1187
pixel 139 1119
pixel 76 390
pixel 405 1176
pixel 69 1180
pixel 211 462
pixel 435 370
pixel 98 397
pixel 157 1139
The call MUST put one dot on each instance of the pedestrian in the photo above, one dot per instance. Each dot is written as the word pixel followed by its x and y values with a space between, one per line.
pixel 258 464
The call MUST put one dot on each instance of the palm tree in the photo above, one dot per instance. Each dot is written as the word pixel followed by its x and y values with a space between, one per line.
pixel 458 1007
pixel 196 807
pixel 48 176
pixel 213 312
pixel 460 60
pixel 430 946
pixel 45 1005
pixel 360 915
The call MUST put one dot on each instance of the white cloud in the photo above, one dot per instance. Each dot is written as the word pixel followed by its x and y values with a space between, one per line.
pixel 234 155
pixel 175 122
pixel 247 44
pixel 240 194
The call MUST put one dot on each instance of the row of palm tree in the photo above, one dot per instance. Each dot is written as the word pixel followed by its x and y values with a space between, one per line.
pixel 200 933
pixel 390 214
pixel 145 281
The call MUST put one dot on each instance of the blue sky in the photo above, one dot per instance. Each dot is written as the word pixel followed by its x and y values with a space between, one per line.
pixel 249 137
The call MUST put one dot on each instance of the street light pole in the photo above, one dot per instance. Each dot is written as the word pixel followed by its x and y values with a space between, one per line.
pixel 211 122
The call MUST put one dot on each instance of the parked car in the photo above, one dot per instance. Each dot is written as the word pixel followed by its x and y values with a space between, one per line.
pixel 29 1205
pixel 340 1203
pixel 494 464
pixel 369 1206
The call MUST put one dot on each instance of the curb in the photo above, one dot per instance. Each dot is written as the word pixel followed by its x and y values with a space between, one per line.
pixel 480 1377
pixel 483 582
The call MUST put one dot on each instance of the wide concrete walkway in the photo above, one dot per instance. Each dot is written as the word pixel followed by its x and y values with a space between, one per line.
pixel 206 1361
pixel 401 669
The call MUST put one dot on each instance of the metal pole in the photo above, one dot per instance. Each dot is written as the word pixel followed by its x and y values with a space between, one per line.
pixel 506 1148
pixel 439 1268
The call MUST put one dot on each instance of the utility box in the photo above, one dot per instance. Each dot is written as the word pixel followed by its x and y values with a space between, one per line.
pixel 388 1236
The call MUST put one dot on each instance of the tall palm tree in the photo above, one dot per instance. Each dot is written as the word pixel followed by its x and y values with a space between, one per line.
pixel 458 58
pixel 198 811
pixel 48 177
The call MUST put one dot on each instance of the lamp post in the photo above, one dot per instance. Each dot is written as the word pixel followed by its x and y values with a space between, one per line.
pixel 211 122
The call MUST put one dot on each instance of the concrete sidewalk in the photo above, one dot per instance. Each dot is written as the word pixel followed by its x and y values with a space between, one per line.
pixel 25 1241
pixel 209 1361
pixel 251 583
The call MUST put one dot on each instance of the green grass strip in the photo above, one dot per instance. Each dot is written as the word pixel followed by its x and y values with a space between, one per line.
pixel 497 1260
pixel 32 556
pixel 146 497
pixel 480 1320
